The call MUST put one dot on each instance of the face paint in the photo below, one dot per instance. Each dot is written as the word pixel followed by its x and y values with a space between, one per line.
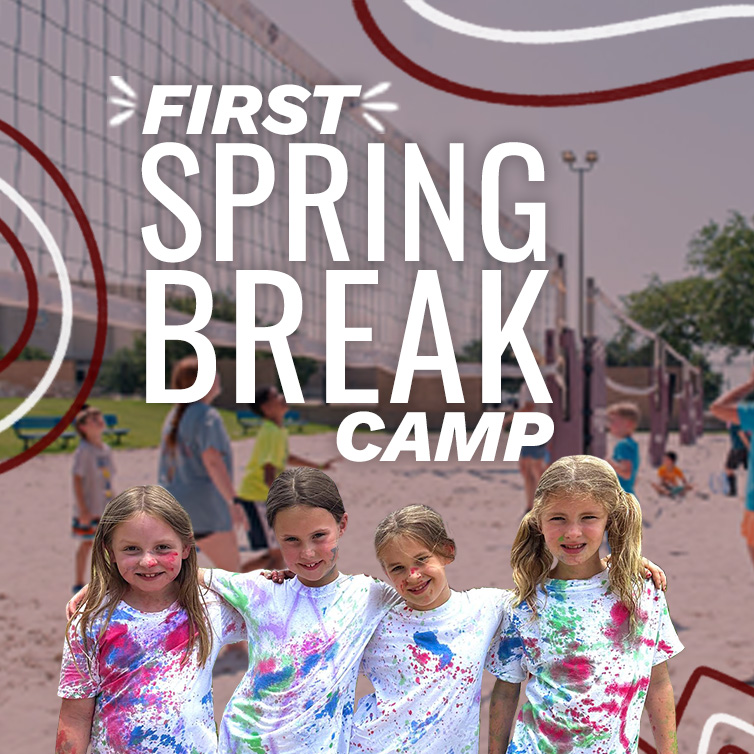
pixel 417 574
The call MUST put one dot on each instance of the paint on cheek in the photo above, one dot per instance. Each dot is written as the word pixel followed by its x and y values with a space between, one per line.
pixel 561 538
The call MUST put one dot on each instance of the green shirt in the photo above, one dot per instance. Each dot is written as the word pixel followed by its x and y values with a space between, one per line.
pixel 271 447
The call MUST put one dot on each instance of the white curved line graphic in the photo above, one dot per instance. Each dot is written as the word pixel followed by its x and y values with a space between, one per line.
pixel 66 318
pixel 716 719
pixel 585 34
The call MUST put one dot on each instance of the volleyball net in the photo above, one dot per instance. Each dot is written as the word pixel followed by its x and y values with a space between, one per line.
pixel 644 369
pixel 55 79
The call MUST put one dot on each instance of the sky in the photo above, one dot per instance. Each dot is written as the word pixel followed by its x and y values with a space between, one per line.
pixel 668 163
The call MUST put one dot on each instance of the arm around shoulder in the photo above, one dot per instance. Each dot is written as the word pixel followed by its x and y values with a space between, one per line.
pixel 74 726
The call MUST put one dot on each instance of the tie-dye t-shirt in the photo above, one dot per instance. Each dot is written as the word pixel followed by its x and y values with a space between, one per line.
pixel 426 669
pixel 590 677
pixel 146 701
pixel 305 644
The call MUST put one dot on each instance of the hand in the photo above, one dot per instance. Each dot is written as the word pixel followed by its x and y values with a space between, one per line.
pixel 85 518
pixel 278 576
pixel 76 601
pixel 238 516
pixel 654 572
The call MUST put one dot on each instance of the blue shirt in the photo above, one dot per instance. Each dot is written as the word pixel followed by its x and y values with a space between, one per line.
pixel 746 417
pixel 627 449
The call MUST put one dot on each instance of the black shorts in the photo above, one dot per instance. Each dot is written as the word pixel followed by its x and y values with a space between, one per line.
pixel 737 457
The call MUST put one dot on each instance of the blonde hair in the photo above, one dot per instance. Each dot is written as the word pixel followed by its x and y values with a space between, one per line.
pixel 585 478
pixel 107 587
pixel 419 522
pixel 625 410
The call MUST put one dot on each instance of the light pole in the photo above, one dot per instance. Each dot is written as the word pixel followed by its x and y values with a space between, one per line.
pixel 590 159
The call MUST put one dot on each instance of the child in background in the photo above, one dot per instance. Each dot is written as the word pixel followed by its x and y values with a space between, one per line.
pixel 93 471
pixel 426 657
pixel 595 640
pixel 269 457
pixel 623 418
pixel 533 459
pixel 671 480
pixel 137 664
pixel 306 636
pixel 737 406
pixel 738 455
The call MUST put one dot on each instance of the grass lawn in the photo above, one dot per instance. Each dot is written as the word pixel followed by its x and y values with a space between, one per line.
pixel 144 419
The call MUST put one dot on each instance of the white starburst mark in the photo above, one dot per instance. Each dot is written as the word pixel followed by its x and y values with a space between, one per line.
pixel 128 103
pixel 381 107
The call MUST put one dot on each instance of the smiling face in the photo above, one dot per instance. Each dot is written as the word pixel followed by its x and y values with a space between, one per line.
pixel 308 539
pixel 573 529
pixel 149 556
pixel 417 574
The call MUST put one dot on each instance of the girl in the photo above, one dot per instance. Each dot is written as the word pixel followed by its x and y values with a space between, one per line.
pixel 137 664
pixel 426 658
pixel 595 640
pixel 269 457
pixel 195 466
pixel 306 637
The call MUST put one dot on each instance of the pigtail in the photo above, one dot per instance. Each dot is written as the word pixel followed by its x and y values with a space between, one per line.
pixel 184 375
pixel 171 439
pixel 624 537
pixel 531 561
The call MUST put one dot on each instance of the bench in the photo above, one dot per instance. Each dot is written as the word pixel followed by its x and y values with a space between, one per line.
pixel 32 428
pixel 248 420
pixel 293 420
pixel 112 428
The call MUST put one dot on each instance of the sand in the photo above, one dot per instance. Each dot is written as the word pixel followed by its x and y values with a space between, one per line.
pixel 696 540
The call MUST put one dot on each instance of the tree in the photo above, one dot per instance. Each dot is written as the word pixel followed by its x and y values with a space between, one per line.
pixel 723 257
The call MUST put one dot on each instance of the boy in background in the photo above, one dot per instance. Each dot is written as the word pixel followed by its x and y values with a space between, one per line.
pixel 731 407
pixel 623 418
pixel 670 479
pixel 738 455
pixel 93 471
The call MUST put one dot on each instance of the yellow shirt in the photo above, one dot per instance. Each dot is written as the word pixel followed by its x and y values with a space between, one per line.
pixel 270 447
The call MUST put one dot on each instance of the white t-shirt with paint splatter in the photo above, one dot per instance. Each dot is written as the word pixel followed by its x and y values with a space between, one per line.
pixel 590 678
pixel 426 669
pixel 145 699
pixel 305 645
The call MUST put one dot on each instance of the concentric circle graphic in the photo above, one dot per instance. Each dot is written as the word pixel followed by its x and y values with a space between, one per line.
pixel 31 289
pixel 100 286
pixel 66 320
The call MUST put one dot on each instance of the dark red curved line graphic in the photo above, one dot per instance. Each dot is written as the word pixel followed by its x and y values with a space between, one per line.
pixel 395 56
pixel 32 293
pixel 732 749
pixel 100 286
pixel 716 675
